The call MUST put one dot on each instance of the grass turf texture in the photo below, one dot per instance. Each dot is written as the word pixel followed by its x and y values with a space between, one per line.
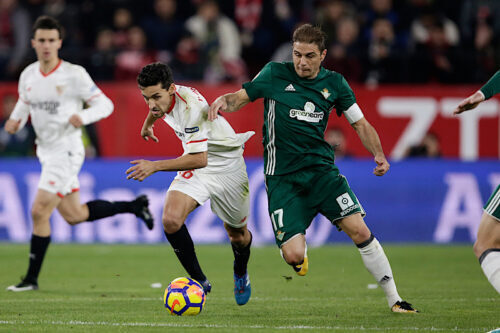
pixel 106 288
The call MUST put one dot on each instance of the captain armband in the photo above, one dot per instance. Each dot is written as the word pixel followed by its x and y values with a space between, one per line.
pixel 353 114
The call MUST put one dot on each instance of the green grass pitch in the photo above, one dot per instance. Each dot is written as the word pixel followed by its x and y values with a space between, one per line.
pixel 107 288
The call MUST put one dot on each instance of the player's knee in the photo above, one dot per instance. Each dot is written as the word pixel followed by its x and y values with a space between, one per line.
pixel 72 219
pixel 38 212
pixel 236 236
pixel 172 222
pixel 479 248
pixel 293 257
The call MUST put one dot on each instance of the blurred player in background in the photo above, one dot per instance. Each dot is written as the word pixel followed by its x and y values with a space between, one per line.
pixel 302 179
pixel 212 167
pixel 487 245
pixel 52 92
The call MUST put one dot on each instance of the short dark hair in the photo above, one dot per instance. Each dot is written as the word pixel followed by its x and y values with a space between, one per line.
pixel 310 34
pixel 47 23
pixel 155 73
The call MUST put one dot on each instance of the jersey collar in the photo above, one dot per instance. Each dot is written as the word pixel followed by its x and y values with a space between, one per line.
pixel 52 71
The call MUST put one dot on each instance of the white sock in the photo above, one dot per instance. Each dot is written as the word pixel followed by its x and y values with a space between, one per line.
pixel 376 262
pixel 491 267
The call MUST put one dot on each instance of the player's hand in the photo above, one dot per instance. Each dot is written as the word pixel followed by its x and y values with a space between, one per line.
pixel 382 165
pixel 147 133
pixel 76 121
pixel 219 104
pixel 141 170
pixel 12 125
pixel 469 103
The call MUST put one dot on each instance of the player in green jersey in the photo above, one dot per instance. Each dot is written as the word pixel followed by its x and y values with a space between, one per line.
pixel 487 245
pixel 302 179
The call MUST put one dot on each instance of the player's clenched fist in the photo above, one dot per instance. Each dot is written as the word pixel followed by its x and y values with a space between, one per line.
pixel 382 166
pixel 12 125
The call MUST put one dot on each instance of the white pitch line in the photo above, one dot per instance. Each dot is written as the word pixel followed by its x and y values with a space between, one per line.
pixel 298 327
pixel 210 297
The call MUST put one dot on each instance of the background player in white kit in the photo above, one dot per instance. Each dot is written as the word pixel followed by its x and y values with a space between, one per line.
pixel 52 92
pixel 212 167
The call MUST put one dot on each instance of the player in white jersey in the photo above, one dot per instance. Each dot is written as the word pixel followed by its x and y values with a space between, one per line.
pixel 53 92
pixel 212 167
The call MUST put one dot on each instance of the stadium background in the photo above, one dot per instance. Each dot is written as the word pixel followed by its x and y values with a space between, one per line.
pixel 409 63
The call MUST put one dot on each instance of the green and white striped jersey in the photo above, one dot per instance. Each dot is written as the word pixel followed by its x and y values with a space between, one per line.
pixel 296 112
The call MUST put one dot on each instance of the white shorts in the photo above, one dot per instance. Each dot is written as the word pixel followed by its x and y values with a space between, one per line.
pixel 60 171
pixel 228 192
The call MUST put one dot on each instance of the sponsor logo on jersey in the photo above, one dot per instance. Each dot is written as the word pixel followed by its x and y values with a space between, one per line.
pixel 325 93
pixel 307 114
pixel 179 134
pixel 346 204
pixel 192 129
pixel 49 106
pixel 290 87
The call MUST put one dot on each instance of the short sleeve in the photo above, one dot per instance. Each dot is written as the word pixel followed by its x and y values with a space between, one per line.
pixel 21 110
pixel 261 85
pixel 345 97
pixel 195 125
pixel 85 87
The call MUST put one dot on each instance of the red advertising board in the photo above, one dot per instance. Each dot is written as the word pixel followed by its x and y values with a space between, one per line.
pixel 402 115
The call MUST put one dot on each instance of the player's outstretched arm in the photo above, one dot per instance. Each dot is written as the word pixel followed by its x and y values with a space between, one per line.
pixel 142 169
pixel 470 102
pixel 147 128
pixel 371 141
pixel 228 103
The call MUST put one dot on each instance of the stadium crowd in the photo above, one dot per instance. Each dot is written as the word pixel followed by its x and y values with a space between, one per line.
pixel 369 41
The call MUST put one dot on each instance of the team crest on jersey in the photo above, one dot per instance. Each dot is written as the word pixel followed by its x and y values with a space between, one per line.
pixel 325 93
pixel 60 90
pixel 307 114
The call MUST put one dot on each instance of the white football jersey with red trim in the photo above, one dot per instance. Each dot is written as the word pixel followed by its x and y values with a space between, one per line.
pixel 188 118
pixel 52 98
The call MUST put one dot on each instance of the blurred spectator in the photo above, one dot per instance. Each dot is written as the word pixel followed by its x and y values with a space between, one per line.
pixel 343 55
pixel 429 147
pixel 135 56
pixel 335 137
pixel 19 144
pixel 163 28
pixel 68 15
pixel 264 25
pixel 480 28
pixel 122 22
pixel 15 33
pixel 101 64
pixel 330 15
pixel 384 59
pixel 188 62
pixel 220 43
pixel 436 56
pixel 379 9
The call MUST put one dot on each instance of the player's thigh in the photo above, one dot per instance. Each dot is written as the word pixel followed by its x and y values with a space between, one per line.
pixel 71 209
pixel 229 196
pixel 335 199
pixel 44 204
pixel 288 207
pixel 355 227
pixel 186 192
pixel 177 207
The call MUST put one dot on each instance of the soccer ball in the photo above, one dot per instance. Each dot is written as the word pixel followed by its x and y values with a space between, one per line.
pixel 184 297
